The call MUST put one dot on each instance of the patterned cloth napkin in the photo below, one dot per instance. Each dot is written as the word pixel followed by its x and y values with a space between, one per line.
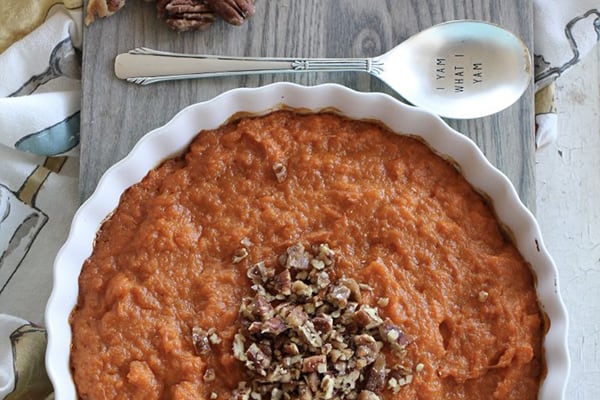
pixel 564 31
pixel 40 91
pixel 40 96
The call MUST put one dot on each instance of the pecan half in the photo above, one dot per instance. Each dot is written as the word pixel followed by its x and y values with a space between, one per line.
pixel 185 15
pixel 234 12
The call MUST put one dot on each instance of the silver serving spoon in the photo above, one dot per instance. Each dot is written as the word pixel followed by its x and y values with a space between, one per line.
pixel 457 69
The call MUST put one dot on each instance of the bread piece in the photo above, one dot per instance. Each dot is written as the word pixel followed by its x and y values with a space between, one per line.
pixel 101 9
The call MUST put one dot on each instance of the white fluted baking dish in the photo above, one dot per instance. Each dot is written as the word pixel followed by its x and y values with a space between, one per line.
pixel 174 137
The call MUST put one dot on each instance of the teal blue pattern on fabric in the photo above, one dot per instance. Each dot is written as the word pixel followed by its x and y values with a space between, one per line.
pixel 53 140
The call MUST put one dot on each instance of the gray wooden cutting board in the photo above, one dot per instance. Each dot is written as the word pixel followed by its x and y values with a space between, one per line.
pixel 115 114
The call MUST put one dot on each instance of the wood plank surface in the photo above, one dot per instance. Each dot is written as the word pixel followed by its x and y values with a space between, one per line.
pixel 115 114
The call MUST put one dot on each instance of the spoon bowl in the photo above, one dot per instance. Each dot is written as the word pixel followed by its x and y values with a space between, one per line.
pixel 458 69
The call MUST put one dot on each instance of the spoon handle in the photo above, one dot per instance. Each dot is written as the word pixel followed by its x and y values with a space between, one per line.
pixel 144 66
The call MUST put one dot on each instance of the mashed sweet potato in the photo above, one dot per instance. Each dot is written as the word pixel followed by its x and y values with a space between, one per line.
pixel 403 221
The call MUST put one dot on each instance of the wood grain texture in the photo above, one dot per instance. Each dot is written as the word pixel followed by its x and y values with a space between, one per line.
pixel 115 114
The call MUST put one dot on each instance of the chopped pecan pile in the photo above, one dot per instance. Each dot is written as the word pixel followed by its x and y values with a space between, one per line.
pixel 182 15
pixel 303 336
